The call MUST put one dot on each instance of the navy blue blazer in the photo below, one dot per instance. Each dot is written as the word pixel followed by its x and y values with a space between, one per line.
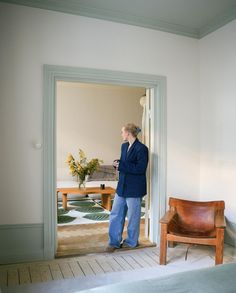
pixel 132 170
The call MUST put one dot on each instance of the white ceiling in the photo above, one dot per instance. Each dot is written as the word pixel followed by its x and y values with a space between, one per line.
pixel 193 18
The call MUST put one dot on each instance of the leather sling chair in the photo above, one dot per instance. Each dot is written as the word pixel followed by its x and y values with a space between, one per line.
pixel 193 222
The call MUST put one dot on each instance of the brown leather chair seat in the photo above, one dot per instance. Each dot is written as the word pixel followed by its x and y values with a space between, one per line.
pixel 178 231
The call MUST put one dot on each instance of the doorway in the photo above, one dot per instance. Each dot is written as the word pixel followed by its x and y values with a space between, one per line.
pixel 89 116
pixel 156 84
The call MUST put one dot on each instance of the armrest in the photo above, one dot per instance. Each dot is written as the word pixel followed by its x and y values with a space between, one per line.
pixel 220 221
pixel 169 215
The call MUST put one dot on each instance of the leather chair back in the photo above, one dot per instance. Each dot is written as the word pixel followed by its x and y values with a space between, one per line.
pixel 194 217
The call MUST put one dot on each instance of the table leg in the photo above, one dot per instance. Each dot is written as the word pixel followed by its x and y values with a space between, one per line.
pixel 64 201
pixel 106 201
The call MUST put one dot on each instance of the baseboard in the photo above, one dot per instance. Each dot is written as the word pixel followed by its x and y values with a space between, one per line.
pixel 230 233
pixel 21 242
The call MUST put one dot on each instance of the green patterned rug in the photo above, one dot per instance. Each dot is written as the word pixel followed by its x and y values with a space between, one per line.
pixel 82 203
pixel 97 216
pixel 88 209
pixel 62 219
pixel 61 212
pixel 84 208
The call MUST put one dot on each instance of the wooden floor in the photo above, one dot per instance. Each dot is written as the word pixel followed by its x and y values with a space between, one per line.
pixel 80 266
pixel 89 238
pixel 103 263
pixel 83 242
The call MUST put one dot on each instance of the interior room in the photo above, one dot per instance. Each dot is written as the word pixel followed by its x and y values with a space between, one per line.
pixel 184 53
pixel 90 117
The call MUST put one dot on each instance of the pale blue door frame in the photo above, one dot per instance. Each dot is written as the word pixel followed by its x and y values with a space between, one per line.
pixel 52 74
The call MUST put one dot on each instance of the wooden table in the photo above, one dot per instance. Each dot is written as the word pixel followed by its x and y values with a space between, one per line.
pixel 105 194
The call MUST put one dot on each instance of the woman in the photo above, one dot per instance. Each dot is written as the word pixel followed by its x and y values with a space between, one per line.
pixel 131 188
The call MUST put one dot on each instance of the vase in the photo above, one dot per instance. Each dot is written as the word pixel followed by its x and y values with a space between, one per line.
pixel 82 182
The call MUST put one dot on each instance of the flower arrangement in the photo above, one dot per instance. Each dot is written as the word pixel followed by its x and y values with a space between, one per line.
pixel 82 168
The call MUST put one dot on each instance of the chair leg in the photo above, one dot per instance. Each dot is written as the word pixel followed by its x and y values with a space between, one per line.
pixel 219 246
pixel 163 244
pixel 171 244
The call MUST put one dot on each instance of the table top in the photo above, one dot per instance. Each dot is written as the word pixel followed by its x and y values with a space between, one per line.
pixel 87 190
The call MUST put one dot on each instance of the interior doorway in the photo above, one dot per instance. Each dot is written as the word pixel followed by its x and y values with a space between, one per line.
pixel 89 116
pixel 157 84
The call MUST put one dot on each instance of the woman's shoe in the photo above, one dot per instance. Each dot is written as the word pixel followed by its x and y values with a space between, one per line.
pixel 110 248
pixel 126 246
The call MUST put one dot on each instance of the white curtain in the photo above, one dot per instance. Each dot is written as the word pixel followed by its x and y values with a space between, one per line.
pixel 145 121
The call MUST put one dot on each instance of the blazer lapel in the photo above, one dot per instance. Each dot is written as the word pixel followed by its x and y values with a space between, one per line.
pixel 125 150
pixel 131 148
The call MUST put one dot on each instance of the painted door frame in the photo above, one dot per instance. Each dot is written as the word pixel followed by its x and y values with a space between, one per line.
pixel 54 73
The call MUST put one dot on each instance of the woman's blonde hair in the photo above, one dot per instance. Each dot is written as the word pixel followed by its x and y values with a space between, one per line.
pixel 132 128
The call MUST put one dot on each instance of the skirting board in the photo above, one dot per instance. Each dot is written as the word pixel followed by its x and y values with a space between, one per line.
pixel 21 242
pixel 230 233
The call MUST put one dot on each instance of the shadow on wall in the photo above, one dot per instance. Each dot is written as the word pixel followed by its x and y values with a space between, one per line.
pixel 230 235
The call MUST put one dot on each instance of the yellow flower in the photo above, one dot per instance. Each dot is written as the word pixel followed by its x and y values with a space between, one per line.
pixel 69 158
pixel 82 167
pixel 72 168
pixel 82 154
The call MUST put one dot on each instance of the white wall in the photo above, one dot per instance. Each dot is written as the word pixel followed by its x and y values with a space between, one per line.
pixel 218 117
pixel 32 37
pixel 90 117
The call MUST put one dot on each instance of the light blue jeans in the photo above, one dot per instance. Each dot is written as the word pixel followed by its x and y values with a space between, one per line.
pixel 122 206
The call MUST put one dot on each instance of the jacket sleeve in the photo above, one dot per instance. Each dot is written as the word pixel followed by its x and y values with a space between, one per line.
pixel 138 167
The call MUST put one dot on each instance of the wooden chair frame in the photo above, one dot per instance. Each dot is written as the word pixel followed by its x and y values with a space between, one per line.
pixel 171 214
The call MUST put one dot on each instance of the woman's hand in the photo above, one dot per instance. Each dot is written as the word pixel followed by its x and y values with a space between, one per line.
pixel 116 164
